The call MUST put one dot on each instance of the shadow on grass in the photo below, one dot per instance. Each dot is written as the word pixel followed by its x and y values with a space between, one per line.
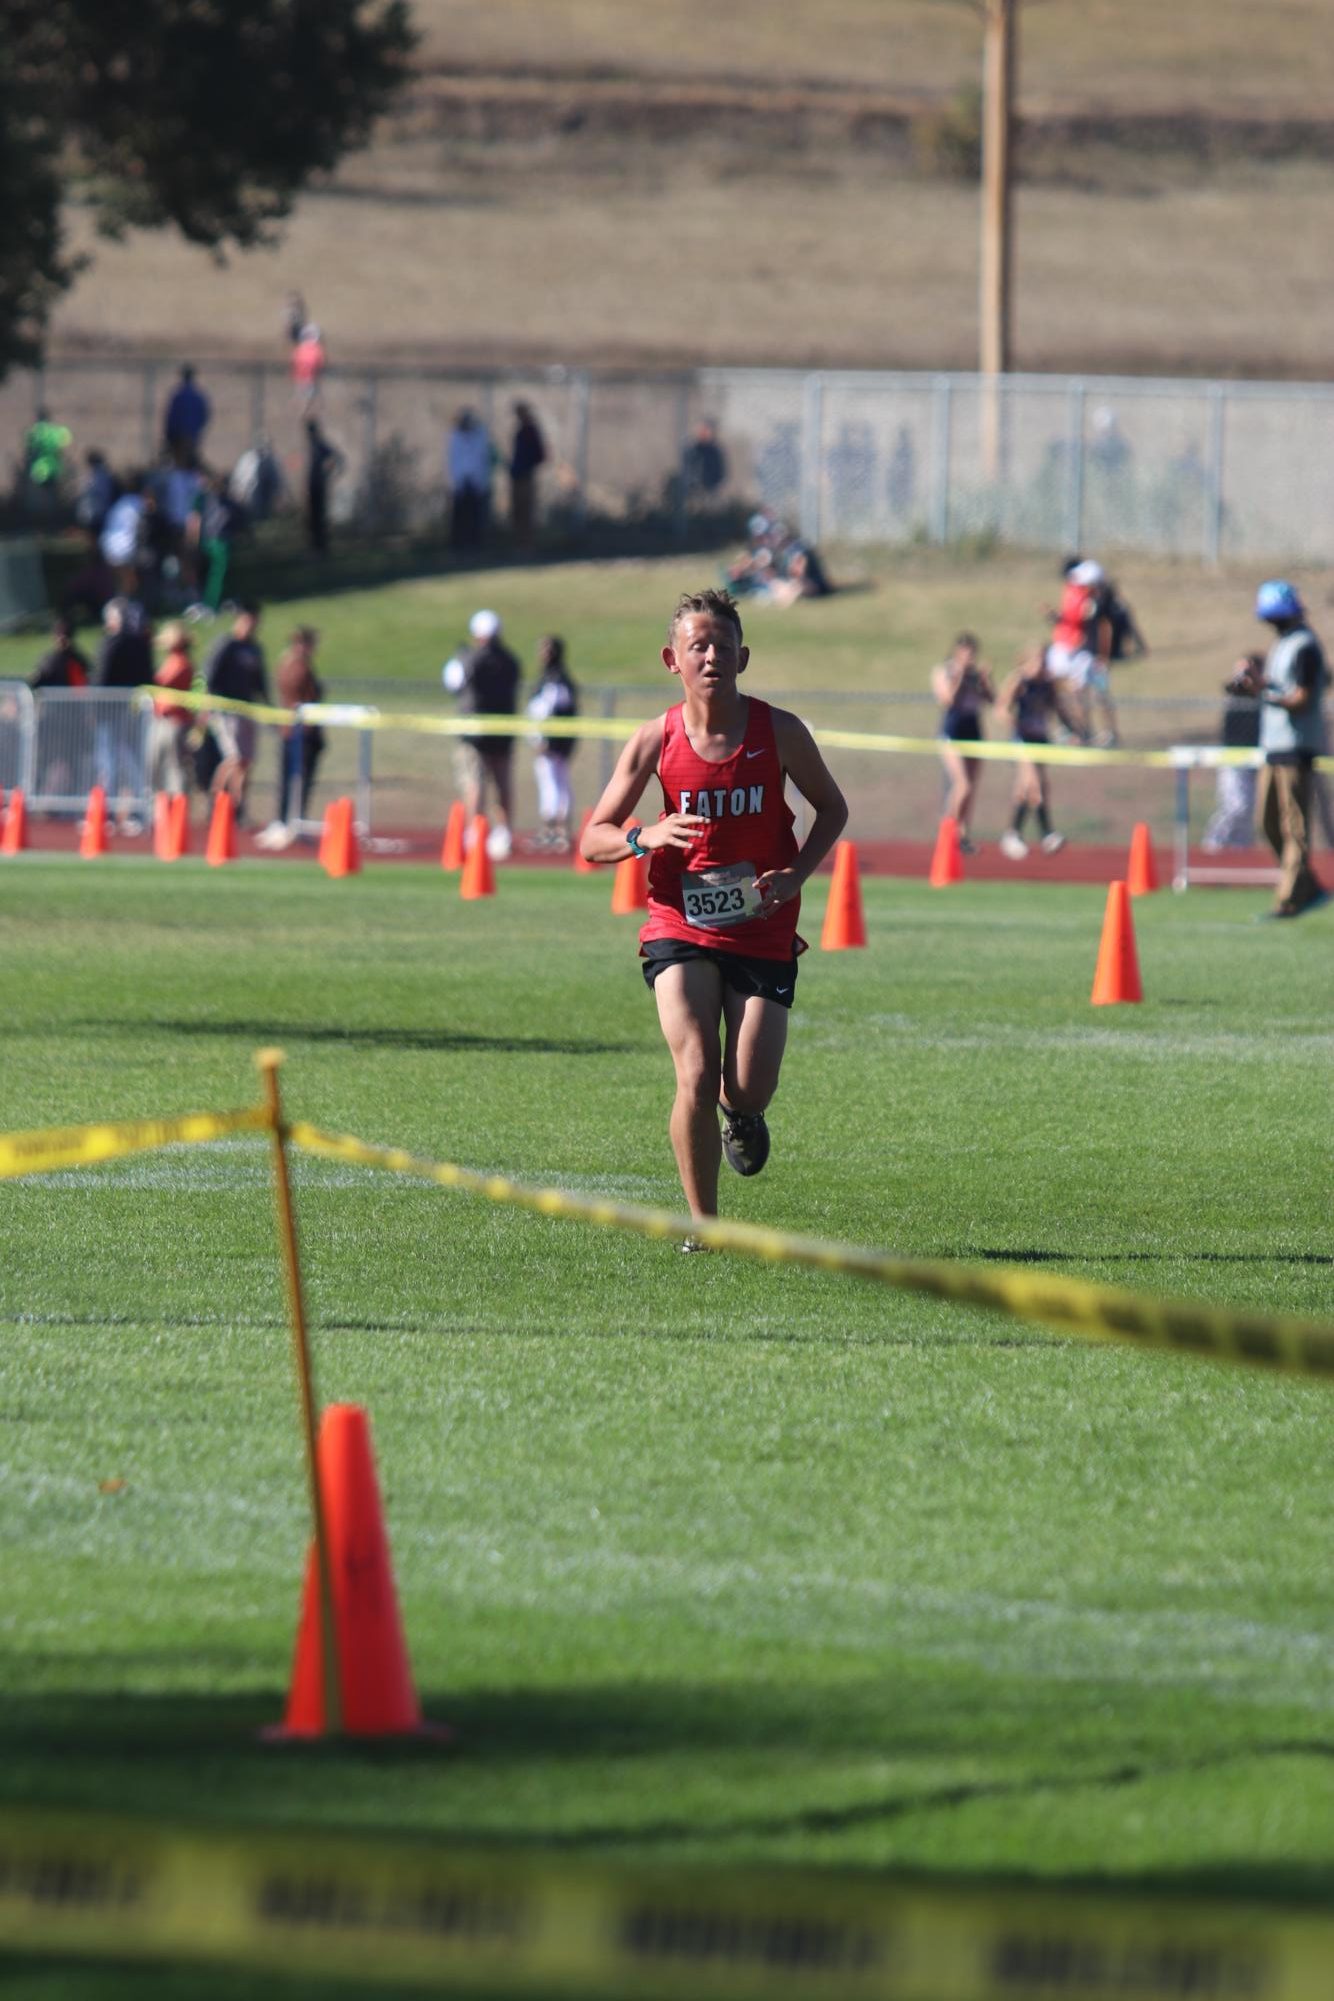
pixel 571 1760
pixel 424 1039
pixel 1028 1257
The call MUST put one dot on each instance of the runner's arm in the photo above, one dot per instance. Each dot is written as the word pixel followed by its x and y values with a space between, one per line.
pixel 804 765
pixel 602 839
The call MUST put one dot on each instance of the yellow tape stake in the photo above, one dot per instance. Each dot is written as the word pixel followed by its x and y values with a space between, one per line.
pixel 1075 1306
pixel 56 1147
pixel 378 1912
pixel 267 1061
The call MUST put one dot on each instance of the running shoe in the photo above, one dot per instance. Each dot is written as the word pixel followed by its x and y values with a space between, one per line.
pixel 689 1244
pixel 1013 845
pixel 1052 843
pixel 745 1140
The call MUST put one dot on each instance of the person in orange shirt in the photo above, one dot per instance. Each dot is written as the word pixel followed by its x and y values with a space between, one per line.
pixel 169 758
pixel 309 361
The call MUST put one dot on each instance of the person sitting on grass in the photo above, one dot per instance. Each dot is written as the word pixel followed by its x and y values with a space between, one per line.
pixel 720 946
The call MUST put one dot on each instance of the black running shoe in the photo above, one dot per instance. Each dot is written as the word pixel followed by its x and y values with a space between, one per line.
pixel 745 1140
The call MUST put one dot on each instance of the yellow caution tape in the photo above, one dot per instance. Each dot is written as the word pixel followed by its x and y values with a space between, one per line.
pixel 83 1146
pixel 615 729
pixel 318 1904
pixel 1076 1306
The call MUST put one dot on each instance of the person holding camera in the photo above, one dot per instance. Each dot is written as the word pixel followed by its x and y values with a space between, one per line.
pixel 1291 687
pixel 1232 824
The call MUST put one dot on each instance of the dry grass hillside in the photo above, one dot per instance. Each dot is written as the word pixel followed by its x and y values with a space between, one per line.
pixel 588 181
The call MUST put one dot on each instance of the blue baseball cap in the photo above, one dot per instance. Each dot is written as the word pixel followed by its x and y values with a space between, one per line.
pixel 1277 601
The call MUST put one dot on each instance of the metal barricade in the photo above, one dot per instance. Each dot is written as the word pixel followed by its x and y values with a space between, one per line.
pixel 86 737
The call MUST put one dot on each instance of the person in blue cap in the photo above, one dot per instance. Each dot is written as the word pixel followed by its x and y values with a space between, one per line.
pixel 1291 687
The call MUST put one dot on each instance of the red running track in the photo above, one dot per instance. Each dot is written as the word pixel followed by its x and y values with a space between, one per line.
pixel 1074 863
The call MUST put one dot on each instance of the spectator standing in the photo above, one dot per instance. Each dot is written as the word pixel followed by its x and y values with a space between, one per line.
pixel 45 446
pixel 704 462
pixel 98 493
pixel 555 695
pixel 124 661
pixel 120 532
pixel 527 453
pixel 212 528
pixel 186 420
pixel 324 462
pixel 468 461
pixel 64 665
pixel 1233 821
pixel 485 677
pixel 1078 649
pixel 309 361
pixel 1292 735
pixel 295 318
pixel 237 672
pixel 169 752
pixel 257 482
pixel 962 685
pixel 302 742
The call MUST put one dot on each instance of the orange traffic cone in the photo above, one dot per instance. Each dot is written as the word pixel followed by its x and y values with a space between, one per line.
pixel 178 828
pixel 374 1674
pixel 843 923
pixel 629 889
pixel 478 878
pixel 1117 977
pixel 947 861
pixel 14 839
pixel 327 826
pixel 1142 871
pixel 161 823
pixel 221 832
pixel 581 867
pixel 344 856
pixel 93 839
pixel 451 853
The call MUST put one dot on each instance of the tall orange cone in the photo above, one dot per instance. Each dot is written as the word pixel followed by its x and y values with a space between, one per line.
pixel 451 852
pixel 1142 871
pixel 947 861
pixel 1117 976
pixel 221 832
pixel 581 867
pixel 327 826
pixel 478 878
pixel 629 889
pixel 344 848
pixel 374 1673
pixel 161 824
pixel 177 842
pixel 14 839
pixel 843 923
pixel 93 839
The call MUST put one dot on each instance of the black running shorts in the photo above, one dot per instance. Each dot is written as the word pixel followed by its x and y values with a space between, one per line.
pixel 771 979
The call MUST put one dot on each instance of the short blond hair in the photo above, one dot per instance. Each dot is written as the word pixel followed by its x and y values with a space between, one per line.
pixel 706 604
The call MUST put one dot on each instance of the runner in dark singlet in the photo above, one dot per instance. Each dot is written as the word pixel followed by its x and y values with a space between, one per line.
pixel 1030 698
pixel 720 944
pixel 962 686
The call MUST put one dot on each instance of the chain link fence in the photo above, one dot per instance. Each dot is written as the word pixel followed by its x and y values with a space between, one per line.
pixel 1210 470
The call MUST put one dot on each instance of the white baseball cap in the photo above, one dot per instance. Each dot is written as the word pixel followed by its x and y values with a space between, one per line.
pixel 1087 573
pixel 484 625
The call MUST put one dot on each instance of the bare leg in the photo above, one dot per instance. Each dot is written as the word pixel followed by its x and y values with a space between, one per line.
pixel 690 1007
pixel 756 1039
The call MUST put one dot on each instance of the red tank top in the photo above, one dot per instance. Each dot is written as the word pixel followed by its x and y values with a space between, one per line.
pixel 749 820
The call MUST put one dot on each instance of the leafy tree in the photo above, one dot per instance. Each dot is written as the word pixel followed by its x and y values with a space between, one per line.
pixel 206 116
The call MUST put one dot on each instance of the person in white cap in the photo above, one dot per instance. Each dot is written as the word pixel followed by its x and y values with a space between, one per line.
pixel 485 676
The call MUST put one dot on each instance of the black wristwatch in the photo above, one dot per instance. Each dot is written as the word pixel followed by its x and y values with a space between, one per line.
pixel 636 846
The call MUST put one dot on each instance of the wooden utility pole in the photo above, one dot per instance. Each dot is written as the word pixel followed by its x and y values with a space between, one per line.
pixel 997 127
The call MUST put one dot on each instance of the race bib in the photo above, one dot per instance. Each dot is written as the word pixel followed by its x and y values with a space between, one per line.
pixel 721 896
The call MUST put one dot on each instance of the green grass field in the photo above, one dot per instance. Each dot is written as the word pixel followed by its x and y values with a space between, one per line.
pixel 705 1560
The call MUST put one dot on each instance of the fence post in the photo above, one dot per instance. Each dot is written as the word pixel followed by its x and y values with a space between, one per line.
pixel 365 790
pixel 941 418
pixel 606 748
pixel 257 404
pixel 581 403
pixel 146 415
pixel 679 511
pixel 1074 470
pixel 809 512
pixel 1213 512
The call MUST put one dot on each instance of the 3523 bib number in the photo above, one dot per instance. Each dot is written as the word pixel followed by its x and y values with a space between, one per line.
pixel 721 896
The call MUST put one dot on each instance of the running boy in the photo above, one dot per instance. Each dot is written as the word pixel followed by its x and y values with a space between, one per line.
pixel 720 946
